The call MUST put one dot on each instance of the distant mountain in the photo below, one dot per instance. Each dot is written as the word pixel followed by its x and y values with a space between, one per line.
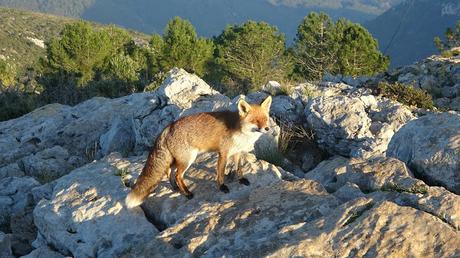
pixel 208 16
pixel 406 32
pixel 366 6
pixel 70 8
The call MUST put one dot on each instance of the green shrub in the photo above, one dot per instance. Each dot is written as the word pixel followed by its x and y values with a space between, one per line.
pixel 14 104
pixel 406 94
pixel 451 40
pixel 7 74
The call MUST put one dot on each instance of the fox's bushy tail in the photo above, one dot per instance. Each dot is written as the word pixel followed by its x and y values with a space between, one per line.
pixel 158 162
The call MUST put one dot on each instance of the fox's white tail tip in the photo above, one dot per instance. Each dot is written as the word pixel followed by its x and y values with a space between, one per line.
pixel 132 201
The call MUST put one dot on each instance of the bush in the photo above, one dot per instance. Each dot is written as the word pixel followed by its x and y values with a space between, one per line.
pixel 7 74
pixel 452 39
pixel 15 104
pixel 406 94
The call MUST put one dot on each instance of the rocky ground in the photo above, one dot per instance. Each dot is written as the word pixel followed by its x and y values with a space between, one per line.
pixel 388 185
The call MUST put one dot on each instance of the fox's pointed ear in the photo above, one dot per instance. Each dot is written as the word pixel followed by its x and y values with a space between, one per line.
pixel 243 107
pixel 267 103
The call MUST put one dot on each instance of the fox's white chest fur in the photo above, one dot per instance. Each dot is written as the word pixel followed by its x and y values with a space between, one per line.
pixel 243 142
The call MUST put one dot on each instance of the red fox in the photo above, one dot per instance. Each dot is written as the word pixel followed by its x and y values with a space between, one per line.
pixel 225 132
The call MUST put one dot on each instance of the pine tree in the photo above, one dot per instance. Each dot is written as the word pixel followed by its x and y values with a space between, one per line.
pixel 358 53
pixel 79 51
pixel 250 54
pixel 182 48
pixel 346 48
pixel 315 46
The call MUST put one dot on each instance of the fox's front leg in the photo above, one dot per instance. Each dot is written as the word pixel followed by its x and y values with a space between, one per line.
pixel 221 163
pixel 239 170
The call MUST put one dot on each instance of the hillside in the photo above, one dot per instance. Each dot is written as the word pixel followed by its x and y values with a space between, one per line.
pixel 24 33
pixel 70 8
pixel 406 32
pixel 366 6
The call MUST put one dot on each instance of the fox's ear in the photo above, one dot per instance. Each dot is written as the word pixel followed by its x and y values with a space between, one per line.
pixel 267 103
pixel 243 107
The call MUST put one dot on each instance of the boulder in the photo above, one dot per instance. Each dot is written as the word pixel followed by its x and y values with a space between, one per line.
pixel 386 179
pixel 16 205
pixel 273 88
pixel 430 145
pixel 11 170
pixel 361 228
pixel 180 94
pixel 5 246
pixel 14 197
pixel 355 126
pixel 85 216
pixel 47 165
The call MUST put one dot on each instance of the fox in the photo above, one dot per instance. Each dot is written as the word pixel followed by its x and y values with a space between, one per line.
pixel 229 133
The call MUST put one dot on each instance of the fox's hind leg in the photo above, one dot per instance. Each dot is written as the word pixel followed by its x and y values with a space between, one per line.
pixel 172 177
pixel 182 165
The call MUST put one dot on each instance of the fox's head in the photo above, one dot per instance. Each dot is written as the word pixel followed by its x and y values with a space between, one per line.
pixel 255 118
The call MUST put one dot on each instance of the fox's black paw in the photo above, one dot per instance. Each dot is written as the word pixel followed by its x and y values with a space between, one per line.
pixel 244 181
pixel 224 188
pixel 189 196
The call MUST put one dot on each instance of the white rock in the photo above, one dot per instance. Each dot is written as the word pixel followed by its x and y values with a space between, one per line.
pixel 359 126
pixel 431 146
pixel 85 216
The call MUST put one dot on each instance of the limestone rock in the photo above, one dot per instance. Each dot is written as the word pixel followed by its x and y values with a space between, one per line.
pixel 47 165
pixel 364 228
pixel 85 216
pixel 167 206
pixel 360 126
pixel 180 94
pixel 43 252
pixel 386 179
pixel 11 170
pixel 5 246
pixel 431 146
pixel 14 197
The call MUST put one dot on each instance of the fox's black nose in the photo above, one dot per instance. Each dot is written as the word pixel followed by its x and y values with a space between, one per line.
pixel 266 128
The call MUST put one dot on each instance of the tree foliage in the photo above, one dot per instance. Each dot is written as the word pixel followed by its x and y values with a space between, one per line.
pixel 86 61
pixel 251 54
pixel 322 46
pixel 182 48
pixel 358 53
pixel 316 45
